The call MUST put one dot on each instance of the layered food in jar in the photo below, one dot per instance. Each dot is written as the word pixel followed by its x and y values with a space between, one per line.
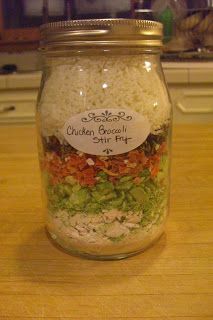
pixel 104 205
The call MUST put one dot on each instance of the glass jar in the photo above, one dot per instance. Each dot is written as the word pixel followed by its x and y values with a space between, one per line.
pixel 104 118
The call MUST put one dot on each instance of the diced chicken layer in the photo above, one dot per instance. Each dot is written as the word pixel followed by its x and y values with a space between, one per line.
pixel 95 228
pixel 116 230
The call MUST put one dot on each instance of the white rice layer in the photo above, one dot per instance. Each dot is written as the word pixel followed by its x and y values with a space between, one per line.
pixel 76 84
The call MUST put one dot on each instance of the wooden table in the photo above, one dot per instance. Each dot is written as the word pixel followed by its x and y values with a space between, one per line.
pixel 172 280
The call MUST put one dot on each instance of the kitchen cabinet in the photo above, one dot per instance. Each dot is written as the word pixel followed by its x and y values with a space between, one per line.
pixel 18 94
pixel 15 35
pixel 191 90
pixel 20 21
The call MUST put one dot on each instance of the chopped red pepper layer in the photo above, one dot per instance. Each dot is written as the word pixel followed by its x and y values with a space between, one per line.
pixel 84 168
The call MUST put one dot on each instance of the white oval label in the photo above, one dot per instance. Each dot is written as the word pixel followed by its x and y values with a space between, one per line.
pixel 106 131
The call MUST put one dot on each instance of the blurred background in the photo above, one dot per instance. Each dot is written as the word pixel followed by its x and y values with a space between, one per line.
pixel 187 53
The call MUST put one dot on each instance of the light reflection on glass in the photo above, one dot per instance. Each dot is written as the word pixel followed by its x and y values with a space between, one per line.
pixel 155 104
pixel 147 66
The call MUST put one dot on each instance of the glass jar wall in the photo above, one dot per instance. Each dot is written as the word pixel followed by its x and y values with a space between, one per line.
pixel 104 118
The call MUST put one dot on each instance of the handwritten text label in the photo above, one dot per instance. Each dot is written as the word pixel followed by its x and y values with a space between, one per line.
pixel 106 131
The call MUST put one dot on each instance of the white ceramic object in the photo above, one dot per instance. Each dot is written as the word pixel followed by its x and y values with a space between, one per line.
pixel 34 8
pixel 100 6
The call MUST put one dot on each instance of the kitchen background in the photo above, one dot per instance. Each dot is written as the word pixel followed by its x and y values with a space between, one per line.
pixel 187 53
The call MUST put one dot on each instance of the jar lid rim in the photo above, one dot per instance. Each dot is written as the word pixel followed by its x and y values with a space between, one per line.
pixel 102 22
pixel 109 31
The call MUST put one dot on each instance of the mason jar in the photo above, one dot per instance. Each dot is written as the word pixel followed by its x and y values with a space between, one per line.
pixel 103 119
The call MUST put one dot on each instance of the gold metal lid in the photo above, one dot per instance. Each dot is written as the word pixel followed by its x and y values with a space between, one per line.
pixel 101 32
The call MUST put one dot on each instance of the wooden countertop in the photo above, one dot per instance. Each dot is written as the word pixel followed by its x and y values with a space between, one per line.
pixel 172 280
